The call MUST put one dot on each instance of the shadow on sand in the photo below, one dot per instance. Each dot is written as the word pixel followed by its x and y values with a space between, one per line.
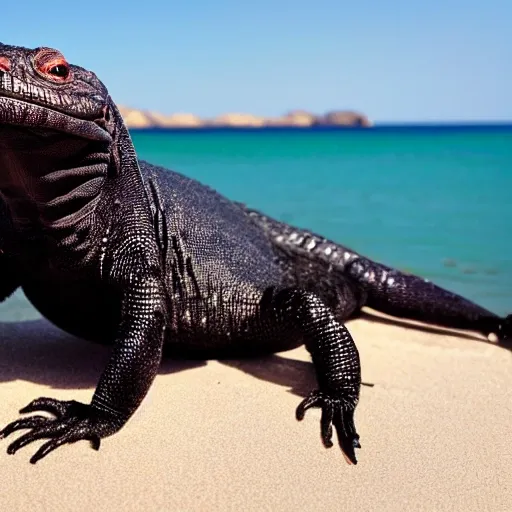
pixel 38 352
pixel 430 329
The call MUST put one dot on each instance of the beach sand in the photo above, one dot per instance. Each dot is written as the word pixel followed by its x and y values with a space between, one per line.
pixel 435 429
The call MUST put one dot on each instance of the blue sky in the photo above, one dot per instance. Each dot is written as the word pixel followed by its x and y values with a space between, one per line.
pixel 407 60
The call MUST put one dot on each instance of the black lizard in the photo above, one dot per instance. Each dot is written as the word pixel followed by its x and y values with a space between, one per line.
pixel 119 251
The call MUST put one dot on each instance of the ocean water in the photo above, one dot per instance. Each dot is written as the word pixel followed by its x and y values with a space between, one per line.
pixel 436 201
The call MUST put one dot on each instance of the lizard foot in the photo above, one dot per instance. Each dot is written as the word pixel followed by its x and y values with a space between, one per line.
pixel 336 411
pixel 73 422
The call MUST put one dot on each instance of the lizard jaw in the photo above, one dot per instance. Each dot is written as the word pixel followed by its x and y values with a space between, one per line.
pixel 17 112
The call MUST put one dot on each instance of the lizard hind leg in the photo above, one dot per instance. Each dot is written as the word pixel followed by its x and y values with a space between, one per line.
pixel 336 362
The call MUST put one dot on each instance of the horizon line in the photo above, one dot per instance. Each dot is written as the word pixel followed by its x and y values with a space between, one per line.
pixel 375 125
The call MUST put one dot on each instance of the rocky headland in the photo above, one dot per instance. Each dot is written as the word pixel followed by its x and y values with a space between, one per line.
pixel 295 118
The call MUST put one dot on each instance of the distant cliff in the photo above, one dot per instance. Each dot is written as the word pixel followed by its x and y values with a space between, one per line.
pixel 296 118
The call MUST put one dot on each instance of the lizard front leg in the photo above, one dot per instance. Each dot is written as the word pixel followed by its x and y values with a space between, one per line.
pixel 124 383
pixel 336 362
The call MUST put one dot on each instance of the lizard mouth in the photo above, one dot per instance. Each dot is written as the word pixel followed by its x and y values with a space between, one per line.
pixel 30 105
pixel 16 112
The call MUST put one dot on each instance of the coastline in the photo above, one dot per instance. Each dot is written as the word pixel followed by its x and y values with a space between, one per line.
pixel 142 119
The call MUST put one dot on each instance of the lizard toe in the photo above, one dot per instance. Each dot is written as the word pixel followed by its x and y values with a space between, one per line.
pixel 23 423
pixel 337 411
pixel 56 407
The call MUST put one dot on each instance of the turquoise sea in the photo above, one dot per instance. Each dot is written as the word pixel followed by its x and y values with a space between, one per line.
pixel 433 200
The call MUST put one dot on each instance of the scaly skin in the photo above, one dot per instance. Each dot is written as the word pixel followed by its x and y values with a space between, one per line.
pixel 119 251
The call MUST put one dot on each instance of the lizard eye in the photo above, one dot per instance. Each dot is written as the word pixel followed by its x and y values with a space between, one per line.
pixel 59 70
pixel 51 64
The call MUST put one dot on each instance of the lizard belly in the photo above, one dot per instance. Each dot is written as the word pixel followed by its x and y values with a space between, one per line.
pixel 77 307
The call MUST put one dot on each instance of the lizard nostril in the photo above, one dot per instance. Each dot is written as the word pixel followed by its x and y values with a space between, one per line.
pixel 5 64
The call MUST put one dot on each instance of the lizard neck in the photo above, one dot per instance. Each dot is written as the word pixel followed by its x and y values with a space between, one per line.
pixel 50 181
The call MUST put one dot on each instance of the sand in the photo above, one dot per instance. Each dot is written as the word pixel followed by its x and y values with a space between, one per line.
pixel 435 429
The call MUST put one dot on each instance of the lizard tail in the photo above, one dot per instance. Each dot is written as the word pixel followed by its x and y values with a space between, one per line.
pixel 328 267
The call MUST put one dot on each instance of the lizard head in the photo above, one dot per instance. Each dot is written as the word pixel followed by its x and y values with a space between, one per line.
pixel 58 125
pixel 39 89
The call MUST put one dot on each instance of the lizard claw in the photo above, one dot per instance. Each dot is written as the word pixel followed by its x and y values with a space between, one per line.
pixel 336 411
pixel 73 422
